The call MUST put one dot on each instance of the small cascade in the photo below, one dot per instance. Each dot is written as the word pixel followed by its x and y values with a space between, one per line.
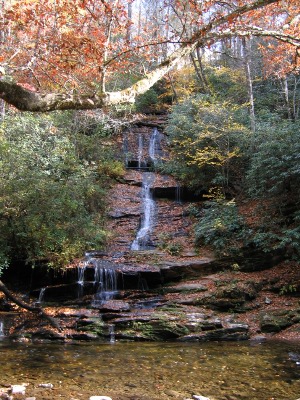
pixel 41 295
pixel 111 332
pixel 142 240
pixel 178 194
pixel 1 329
pixel 154 146
pixel 105 281
pixel 81 270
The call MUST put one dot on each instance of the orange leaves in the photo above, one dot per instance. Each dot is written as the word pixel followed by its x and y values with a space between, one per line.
pixel 79 39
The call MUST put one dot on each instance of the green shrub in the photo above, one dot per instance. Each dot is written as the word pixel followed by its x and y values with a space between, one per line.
pixel 221 226
pixel 205 138
pixel 51 200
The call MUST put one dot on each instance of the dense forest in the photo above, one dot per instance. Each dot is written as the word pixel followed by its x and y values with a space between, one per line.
pixel 233 119
pixel 150 191
pixel 225 76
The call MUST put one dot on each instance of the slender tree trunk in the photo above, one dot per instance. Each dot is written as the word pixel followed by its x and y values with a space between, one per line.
pixel 173 89
pixel 295 105
pixel 285 90
pixel 246 48
pixel 197 63
pixel 129 27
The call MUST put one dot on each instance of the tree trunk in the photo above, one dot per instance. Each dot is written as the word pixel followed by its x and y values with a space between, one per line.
pixel 249 82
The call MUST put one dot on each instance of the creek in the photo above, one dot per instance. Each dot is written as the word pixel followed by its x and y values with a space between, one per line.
pixel 144 371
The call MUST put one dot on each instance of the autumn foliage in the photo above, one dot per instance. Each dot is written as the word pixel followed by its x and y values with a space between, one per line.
pixel 82 45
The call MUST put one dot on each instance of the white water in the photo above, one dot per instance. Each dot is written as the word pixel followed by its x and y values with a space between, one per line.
pixel 141 242
pixel 41 295
pixel 1 329
pixel 80 281
pixel 105 280
pixel 112 337
pixel 153 146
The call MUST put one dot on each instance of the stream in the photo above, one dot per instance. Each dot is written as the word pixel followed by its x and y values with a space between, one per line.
pixel 144 371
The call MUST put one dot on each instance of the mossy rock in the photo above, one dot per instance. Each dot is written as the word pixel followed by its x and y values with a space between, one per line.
pixel 276 320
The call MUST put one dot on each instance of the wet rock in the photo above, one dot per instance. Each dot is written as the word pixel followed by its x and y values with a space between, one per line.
pixel 114 306
pixel 83 336
pixel 201 322
pixel 268 300
pixel 186 287
pixel 275 321
pixel 231 332
pixel 258 338
pixel 47 334
pixel 186 269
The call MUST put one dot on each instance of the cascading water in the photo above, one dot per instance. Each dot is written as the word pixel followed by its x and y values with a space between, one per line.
pixel 153 145
pixel 41 295
pixel 111 331
pixel 178 194
pixel 80 281
pixel 142 240
pixel 2 329
pixel 105 280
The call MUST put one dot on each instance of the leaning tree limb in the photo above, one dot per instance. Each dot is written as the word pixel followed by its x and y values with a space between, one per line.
pixel 36 309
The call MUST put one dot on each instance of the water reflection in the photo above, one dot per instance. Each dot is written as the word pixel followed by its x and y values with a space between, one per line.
pixel 144 371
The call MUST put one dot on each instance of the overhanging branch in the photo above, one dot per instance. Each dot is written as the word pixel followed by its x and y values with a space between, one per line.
pixel 27 100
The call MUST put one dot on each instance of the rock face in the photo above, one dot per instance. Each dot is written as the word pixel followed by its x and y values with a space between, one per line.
pixel 164 292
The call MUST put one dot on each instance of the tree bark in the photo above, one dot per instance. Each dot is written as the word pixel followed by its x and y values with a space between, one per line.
pixel 29 307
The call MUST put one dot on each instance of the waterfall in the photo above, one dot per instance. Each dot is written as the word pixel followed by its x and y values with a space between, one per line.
pixel 111 331
pixel 105 280
pixel 81 270
pixel 154 146
pixel 2 329
pixel 141 242
pixel 178 194
pixel 41 295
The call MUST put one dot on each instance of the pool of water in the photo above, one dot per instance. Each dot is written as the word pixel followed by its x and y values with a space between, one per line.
pixel 144 371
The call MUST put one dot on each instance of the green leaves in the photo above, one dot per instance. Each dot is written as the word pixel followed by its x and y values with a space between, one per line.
pixel 205 138
pixel 50 198
pixel 221 226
